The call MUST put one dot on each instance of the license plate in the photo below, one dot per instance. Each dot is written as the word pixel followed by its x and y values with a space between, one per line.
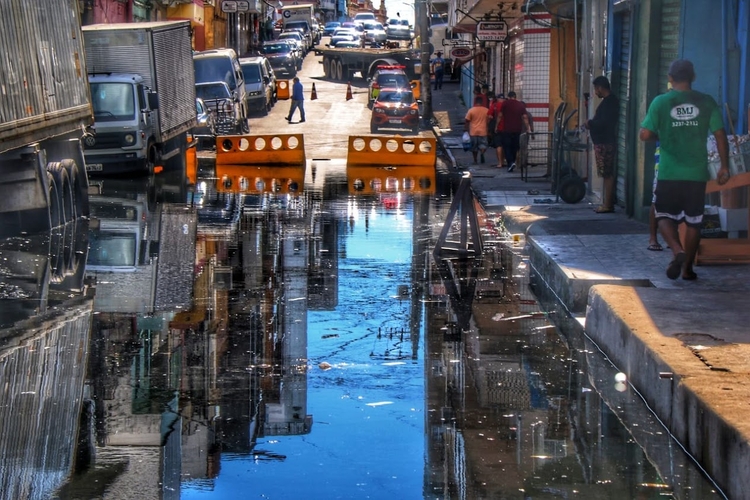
pixel 95 167
pixel 394 121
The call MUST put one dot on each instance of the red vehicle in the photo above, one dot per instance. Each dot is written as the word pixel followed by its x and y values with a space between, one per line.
pixel 395 107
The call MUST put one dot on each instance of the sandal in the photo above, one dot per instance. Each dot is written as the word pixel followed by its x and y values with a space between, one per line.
pixel 604 210
pixel 689 276
pixel 655 247
pixel 674 267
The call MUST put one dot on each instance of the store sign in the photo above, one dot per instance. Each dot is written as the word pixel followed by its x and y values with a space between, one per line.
pixel 492 31
pixel 453 42
pixel 460 53
pixel 229 6
pixel 243 6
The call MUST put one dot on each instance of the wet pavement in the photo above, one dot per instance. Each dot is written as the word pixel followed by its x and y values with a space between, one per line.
pixel 304 345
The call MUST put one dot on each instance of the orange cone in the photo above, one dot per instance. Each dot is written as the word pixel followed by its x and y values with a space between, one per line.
pixel 314 94
pixel 349 92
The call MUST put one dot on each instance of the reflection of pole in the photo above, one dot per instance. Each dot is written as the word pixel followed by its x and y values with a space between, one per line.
pixel 423 31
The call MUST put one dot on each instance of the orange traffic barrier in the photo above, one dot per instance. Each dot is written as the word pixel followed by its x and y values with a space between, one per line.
pixel 373 180
pixel 349 96
pixel 282 89
pixel 191 164
pixel 314 93
pixel 269 149
pixel 416 88
pixel 253 179
pixel 394 151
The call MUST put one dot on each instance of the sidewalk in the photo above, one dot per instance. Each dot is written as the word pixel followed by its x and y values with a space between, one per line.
pixel 683 345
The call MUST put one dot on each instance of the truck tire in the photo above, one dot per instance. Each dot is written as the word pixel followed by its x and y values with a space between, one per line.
pixel 80 193
pixel 150 158
pixel 54 202
pixel 339 73
pixel 64 191
pixel 327 67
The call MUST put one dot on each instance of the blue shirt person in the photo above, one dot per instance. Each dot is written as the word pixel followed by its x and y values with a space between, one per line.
pixel 298 100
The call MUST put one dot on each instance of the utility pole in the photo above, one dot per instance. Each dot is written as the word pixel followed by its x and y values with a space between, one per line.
pixel 423 32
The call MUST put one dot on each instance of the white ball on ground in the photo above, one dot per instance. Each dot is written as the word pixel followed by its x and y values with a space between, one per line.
pixel 620 377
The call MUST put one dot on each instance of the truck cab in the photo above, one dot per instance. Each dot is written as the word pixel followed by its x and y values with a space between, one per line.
pixel 125 124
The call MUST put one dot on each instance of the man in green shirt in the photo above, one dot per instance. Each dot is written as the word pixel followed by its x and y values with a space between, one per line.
pixel 680 120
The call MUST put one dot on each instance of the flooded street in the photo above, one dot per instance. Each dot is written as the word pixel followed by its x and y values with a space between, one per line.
pixel 304 342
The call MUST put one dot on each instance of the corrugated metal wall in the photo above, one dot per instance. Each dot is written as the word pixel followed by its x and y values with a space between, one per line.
pixel 43 380
pixel 174 57
pixel 42 77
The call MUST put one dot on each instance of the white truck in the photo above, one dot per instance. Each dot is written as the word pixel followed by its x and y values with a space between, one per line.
pixel 295 16
pixel 143 94
pixel 44 113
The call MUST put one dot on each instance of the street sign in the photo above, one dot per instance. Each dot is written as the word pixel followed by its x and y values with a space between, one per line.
pixel 229 6
pixel 492 31
pixel 460 53
pixel 243 6
pixel 456 42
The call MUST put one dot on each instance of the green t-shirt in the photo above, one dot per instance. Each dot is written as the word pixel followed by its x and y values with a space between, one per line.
pixel 682 120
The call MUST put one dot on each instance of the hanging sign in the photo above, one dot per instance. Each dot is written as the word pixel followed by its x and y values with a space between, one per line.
pixel 492 31
pixel 229 6
pixel 460 53
pixel 243 6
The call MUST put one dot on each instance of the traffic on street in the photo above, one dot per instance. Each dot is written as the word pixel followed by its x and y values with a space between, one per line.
pixel 208 326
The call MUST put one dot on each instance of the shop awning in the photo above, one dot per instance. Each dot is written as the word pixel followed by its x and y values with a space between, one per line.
pixel 487 10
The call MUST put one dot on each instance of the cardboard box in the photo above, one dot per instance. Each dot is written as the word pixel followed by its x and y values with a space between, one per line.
pixel 733 219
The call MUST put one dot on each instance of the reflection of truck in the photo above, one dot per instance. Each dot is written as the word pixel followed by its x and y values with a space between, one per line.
pixel 143 94
pixel 341 64
pixel 44 110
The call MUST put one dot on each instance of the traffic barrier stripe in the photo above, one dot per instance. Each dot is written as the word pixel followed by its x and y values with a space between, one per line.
pixel 396 150
pixel 260 179
pixel 374 179
pixel 270 149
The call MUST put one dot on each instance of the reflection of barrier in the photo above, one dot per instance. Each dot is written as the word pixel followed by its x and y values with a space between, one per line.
pixel 463 206
pixel 387 151
pixel 260 179
pixel 375 179
pixel 191 164
pixel 282 89
pixel 284 149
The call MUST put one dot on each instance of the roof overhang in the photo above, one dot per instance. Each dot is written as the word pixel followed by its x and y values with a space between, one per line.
pixel 487 10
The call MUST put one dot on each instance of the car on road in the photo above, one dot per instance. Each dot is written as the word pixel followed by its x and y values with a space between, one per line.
pixel 222 65
pixel 346 35
pixel 283 56
pixel 330 27
pixel 260 83
pixel 395 108
pixel 229 112
pixel 374 32
pixel 312 36
pixel 386 76
pixel 297 38
pixel 398 29
pixel 361 17
pixel 205 130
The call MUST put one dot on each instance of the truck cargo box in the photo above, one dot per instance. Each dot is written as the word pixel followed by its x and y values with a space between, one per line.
pixel 43 81
pixel 161 53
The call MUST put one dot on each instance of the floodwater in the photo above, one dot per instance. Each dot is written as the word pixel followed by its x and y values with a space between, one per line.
pixel 304 344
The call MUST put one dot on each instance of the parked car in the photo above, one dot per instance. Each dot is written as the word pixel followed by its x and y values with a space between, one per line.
pixel 222 65
pixel 361 17
pixel 353 44
pixel 229 117
pixel 205 131
pixel 283 57
pixel 398 29
pixel 330 27
pixel 386 76
pixel 374 32
pixel 260 83
pixel 297 38
pixel 395 108
pixel 306 29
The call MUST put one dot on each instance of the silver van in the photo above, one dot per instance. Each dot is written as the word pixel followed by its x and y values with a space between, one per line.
pixel 222 65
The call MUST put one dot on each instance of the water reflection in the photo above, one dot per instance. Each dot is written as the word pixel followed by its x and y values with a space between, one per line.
pixel 305 344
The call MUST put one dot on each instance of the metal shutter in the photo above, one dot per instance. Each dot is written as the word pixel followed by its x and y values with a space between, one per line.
pixel 621 81
pixel 669 39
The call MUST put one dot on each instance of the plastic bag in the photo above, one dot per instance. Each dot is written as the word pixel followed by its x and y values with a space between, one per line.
pixel 466 141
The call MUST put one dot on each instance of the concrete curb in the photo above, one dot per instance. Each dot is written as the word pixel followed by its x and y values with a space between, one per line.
pixel 631 327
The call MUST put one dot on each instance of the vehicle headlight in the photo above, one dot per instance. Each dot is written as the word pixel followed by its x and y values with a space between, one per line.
pixel 257 92
pixel 379 110
pixel 129 139
pixel 413 112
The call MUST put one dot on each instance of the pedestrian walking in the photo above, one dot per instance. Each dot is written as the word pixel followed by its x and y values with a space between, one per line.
pixel 298 101
pixel 603 130
pixel 680 120
pixel 438 69
pixel 497 131
pixel 475 123
pixel 515 117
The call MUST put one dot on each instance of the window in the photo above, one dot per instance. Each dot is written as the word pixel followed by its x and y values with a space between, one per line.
pixel 112 101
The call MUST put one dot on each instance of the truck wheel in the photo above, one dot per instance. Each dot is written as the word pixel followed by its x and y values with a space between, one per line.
pixel 339 72
pixel 55 209
pixel 150 159
pixel 80 193
pixel 327 67
pixel 64 191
